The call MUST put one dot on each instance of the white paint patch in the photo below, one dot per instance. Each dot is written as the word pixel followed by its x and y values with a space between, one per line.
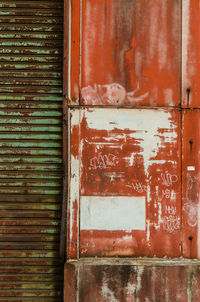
pixel 112 213
pixel 107 293
pixel 140 270
pixel 190 168
pixel 148 230
pixel 145 126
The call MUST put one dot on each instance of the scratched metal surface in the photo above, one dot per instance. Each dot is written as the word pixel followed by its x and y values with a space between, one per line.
pixel 125 175
pixel 30 149
pixel 190 183
pixel 130 52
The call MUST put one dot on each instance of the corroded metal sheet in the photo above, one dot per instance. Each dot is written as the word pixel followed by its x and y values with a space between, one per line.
pixel 125 176
pixel 30 149
pixel 130 52
pixel 190 180
pixel 128 280
pixel 190 54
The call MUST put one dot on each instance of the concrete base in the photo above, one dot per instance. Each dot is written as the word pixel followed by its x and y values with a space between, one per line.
pixel 124 280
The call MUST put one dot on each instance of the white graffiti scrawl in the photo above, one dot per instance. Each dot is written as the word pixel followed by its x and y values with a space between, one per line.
pixel 171 222
pixel 103 161
pixel 110 94
pixel 168 179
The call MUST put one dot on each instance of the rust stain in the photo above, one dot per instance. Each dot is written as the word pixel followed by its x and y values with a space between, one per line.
pixel 129 57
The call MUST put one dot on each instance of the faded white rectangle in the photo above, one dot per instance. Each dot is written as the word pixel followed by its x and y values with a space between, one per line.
pixel 190 168
pixel 112 213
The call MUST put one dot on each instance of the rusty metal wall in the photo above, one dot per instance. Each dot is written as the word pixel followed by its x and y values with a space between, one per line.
pixel 133 96
pixel 31 41
pixel 125 191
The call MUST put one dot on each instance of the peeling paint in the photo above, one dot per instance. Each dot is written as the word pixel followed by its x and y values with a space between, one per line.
pixel 125 161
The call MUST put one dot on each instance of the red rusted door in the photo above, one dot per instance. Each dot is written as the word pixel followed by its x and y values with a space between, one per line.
pixel 129 164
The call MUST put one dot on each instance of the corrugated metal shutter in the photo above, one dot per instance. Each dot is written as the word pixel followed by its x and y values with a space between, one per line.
pixel 30 149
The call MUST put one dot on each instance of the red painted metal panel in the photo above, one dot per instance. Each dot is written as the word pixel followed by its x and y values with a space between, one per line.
pixel 126 176
pixel 130 52
pixel 190 180
pixel 70 283
pixel 74 71
pixel 191 54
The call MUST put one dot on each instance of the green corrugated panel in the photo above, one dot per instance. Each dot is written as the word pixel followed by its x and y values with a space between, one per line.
pixel 30 149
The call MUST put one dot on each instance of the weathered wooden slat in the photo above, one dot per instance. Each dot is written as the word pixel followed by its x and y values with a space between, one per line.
pixel 31 4
pixel 21 238
pixel 30 128
pixel 32 82
pixel 30 293
pixel 28 230
pixel 30 35
pixel 30 120
pixel 33 269
pixel 29 299
pixel 31 151
pixel 31 262
pixel 30 183
pixel 30 105
pixel 29 97
pixel 31 27
pixel 33 160
pixel 30 136
pixel 31 66
pixel 31 175
pixel 43 221
pixel 28 246
pixel 29 214
pixel 30 167
pixel 41 199
pixel 30 277
pixel 30 74
pixel 34 206
pixel 30 58
pixel 30 144
pixel 29 190
pixel 29 286
pixel 30 20
pixel 30 89
pixel 36 12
